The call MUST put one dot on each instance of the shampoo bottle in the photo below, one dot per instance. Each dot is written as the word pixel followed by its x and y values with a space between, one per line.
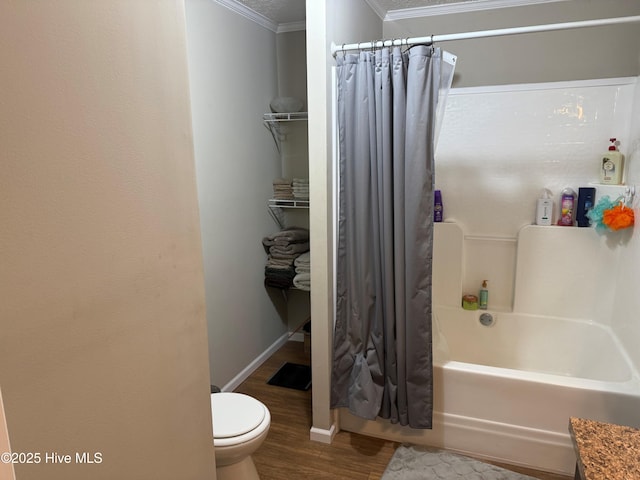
pixel 586 200
pixel 438 209
pixel 611 165
pixel 567 205
pixel 484 296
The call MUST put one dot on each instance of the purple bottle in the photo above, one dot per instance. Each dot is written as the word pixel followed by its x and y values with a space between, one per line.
pixel 567 204
pixel 438 210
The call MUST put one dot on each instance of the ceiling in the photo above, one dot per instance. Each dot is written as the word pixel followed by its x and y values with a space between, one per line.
pixel 283 12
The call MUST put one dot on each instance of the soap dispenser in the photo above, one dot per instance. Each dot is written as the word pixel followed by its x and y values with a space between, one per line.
pixel 484 296
pixel 611 165
pixel 544 211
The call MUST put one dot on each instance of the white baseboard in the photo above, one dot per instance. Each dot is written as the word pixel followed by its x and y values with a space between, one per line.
pixel 322 435
pixel 252 367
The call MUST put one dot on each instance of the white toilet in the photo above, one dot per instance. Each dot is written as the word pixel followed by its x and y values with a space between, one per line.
pixel 240 425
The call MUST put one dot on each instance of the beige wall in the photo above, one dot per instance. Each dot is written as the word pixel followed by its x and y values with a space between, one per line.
pixel 292 65
pixel 233 77
pixel 580 54
pixel 103 344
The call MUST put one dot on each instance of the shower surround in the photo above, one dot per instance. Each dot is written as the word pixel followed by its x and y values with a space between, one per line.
pixel 562 297
pixel 506 391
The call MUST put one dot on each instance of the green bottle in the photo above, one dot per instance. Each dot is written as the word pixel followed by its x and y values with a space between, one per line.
pixel 484 295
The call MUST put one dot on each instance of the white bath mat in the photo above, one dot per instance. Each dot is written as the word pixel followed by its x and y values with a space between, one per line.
pixel 411 462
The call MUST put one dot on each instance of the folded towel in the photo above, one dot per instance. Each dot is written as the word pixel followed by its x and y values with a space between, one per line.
pixel 283 256
pixel 279 278
pixel 283 196
pixel 303 259
pixel 291 248
pixel 287 235
pixel 278 283
pixel 282 189
pixel 302 281
pixel 282 181
pixel 280 272
pixel 281 263
pixel 291 235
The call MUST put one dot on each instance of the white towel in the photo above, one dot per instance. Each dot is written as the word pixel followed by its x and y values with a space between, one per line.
pixel 302 281
pixel 303 260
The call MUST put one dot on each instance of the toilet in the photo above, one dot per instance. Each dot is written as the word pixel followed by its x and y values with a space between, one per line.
pixel 240 425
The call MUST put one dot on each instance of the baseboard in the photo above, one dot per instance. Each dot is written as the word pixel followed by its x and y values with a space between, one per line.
pixel 322 435
pixel 253 366
pixel 512 444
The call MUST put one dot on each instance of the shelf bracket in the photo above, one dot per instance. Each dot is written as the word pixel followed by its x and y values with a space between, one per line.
pixel 277 124
pixel 277 215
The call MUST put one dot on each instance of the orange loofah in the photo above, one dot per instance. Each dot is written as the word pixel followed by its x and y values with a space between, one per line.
pixel 618 217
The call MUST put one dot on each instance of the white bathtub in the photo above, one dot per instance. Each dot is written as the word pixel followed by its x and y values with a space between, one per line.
pixel 506 391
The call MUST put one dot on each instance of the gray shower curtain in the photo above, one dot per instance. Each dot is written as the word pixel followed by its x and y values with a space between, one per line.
pixel 382 359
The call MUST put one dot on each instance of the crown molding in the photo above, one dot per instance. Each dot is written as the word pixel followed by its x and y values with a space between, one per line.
pixel 291 27
pixel 461 7
pixel 249 14
pixel 377 8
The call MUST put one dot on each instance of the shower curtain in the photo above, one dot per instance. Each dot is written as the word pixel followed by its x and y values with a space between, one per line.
pixel 382 359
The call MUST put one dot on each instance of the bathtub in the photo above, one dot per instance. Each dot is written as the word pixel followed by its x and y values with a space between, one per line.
pixel 506 391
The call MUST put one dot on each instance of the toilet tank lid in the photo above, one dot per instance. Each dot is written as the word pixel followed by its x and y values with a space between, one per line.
pixel 235 414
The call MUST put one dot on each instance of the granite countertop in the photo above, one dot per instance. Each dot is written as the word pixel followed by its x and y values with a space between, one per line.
pixel 605 451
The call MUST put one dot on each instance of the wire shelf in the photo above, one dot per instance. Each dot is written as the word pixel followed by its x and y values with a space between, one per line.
pixel 277 123
pixel 294 203
pixel 284 117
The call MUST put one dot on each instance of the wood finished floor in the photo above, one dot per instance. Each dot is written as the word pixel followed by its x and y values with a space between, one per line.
pixel 287 453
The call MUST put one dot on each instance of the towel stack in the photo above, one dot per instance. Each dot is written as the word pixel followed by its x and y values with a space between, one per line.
pixel 300 188
pixel 282 189
pixel 302 264
pixel 283 248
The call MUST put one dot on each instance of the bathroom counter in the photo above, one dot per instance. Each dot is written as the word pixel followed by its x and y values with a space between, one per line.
pixel 605 451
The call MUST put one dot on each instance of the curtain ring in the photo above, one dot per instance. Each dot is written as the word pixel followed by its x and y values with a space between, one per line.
pixel 405 42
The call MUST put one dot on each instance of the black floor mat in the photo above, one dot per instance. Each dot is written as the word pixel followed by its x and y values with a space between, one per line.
pixel 292 375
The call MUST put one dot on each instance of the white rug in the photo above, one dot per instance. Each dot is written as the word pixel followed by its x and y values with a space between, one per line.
pixel 411 462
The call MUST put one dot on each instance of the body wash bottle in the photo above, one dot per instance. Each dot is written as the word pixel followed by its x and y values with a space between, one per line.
pixel 484 296
pixel 567 205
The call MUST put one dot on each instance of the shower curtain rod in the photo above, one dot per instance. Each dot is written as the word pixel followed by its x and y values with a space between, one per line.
pixel 431 39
